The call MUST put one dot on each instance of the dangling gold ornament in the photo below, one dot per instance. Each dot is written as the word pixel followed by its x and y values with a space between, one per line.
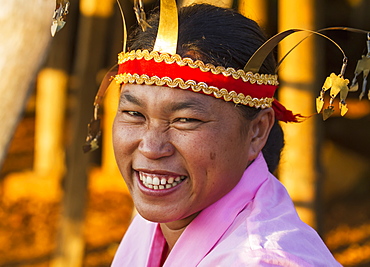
pixel 363 66
pixel 337 84
pixel 61 11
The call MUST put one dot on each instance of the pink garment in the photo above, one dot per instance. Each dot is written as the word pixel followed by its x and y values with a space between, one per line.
pixel 255 224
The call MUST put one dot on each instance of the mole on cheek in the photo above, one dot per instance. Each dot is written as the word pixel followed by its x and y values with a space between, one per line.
pixel 212 155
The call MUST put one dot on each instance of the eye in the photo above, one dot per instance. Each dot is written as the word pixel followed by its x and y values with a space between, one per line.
pixel 186 120
pixel 131 116
pixel 187 123
pixel 133 113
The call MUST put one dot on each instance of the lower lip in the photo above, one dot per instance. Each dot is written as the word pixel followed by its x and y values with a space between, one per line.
pixel 157 192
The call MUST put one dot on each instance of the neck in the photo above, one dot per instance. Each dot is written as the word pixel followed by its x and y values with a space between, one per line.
pixel 173 230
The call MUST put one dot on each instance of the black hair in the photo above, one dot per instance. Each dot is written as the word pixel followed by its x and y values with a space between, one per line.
pixel 222 37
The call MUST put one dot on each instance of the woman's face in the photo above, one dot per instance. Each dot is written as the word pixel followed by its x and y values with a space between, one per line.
pixel 178 151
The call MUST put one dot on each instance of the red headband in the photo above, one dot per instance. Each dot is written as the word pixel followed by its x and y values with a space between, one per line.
pixel 153 68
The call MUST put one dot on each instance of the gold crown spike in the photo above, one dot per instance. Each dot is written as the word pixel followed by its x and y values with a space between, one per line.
pixel 124 27
pixel 255 62
pixel 166 41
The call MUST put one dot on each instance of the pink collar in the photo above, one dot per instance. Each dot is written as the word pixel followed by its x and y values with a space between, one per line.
pixel 214 221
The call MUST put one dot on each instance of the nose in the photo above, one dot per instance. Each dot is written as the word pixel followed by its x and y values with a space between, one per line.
pixel 155 144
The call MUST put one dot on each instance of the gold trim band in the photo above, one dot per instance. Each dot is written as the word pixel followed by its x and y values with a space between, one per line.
pixel 196 87
pixel 267 79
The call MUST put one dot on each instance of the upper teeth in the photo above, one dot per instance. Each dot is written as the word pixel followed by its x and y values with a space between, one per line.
pixel 155 182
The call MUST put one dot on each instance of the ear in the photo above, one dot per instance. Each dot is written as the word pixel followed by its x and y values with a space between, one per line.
pixel 259 131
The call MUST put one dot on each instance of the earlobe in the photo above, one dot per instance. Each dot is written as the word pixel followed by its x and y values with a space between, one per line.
pixel 260 128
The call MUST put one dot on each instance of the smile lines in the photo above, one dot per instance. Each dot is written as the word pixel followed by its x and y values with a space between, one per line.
pixel 156 182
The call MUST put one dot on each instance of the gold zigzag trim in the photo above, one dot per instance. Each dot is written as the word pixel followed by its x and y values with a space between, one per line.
pixel 267 79
pixel 196 87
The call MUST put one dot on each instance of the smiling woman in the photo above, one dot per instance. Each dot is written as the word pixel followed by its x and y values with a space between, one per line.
pixel 191 135
pixel 182 139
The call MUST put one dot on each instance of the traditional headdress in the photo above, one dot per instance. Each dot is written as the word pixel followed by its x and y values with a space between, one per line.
pixel 164 67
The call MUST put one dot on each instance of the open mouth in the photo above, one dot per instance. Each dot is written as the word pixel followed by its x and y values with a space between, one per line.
pixel 160 182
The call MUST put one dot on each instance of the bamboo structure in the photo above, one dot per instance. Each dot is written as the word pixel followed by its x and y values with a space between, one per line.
pixel 91 44
pixel 220 3
pixel 298 170
pixel 256 10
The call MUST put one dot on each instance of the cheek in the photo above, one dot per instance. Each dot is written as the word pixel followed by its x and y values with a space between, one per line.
pixel 123 140
pixel 201 151
pixel 221 154
pixel 116 136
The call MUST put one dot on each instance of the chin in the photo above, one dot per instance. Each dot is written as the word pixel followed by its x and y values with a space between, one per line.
pixel 158 216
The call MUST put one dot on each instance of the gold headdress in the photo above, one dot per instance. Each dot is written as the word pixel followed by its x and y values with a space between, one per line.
pixel 163 67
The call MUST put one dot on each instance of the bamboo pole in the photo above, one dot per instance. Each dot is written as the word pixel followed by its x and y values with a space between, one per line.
pixel 256 10
pixel 220 3
pixel 298 170
pixel 91 43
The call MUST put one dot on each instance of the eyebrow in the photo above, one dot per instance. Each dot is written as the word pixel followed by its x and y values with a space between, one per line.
pixel 191 103
pixel 127 97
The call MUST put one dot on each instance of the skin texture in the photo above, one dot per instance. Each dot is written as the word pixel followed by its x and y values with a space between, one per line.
pixel 172 132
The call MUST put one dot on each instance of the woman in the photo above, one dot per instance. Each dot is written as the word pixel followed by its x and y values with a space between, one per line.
pixel 193 163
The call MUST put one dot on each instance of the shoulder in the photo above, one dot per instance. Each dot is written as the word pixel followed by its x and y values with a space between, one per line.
pixel 266 258
pixel 260 257
pixel 268 232
pixel 134 247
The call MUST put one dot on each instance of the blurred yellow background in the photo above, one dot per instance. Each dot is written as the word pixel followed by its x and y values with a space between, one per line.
pixel 61 207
